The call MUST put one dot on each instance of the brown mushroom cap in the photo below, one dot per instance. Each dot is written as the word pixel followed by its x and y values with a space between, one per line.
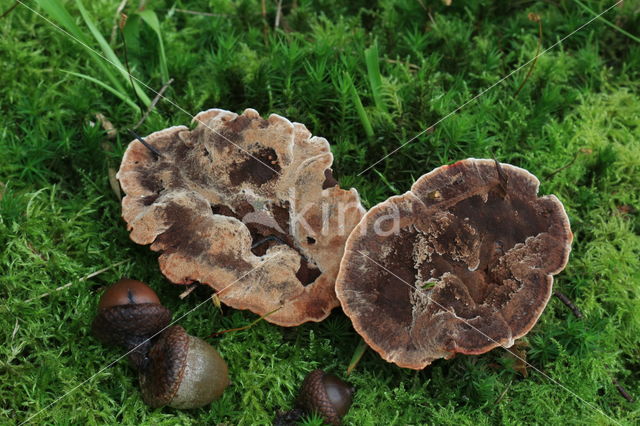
pixel 245 205
pixel 469 268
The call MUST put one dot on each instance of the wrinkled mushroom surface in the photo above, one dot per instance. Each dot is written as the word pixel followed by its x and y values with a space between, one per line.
pixel 468 268
pixel 246 205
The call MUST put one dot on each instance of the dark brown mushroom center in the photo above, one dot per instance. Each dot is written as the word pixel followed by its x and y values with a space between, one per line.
pixel 265 236
pixel 479 235
pixel 466 241
pixel 329 180
pixel 258 166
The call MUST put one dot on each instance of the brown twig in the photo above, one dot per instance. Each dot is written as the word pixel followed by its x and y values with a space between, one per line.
pixel 142 5
pixel 188 291
pixel 566 166
pixel 623 391
pixel 564 299
pixel 153 103
pixel 107 126
pixel 8 11
pixel 504 392
pixel 145 143
pixel 276 23
pixel 535 18
pixel 503 179
pixel 570 163
pixel 265 25
pixel 111 133
pixel 36 252
pixel 114 29
pixel 79 280
pixel 431 18
pixel 113 182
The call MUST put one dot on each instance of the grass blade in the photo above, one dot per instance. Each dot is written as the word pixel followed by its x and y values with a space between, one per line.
pixel 110 89
pixel 375 78
pixel 59 14
pixel 357 356
pixel 609 23
pixel 131 33
pixel 386 181
pixel 364 118
pixel 151 19
pixel 109 53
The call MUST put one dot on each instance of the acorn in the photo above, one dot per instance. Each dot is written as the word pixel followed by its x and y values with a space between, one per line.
pixel 326 395
pixel 129 315
pixel 182 371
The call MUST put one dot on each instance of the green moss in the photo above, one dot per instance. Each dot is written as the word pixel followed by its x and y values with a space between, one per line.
pixel 575 124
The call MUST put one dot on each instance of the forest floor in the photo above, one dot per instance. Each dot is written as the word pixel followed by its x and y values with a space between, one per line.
pixel 369 77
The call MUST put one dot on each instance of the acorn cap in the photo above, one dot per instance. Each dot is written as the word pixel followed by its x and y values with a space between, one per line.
pixel 245 200
pixel 183 372
pixel 469 268
pixel 121 325
pixel 128 313
pixel 327 395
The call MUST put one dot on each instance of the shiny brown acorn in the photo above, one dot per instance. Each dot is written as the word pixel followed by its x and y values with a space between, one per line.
pixel 174 369
pixel 129 314
pixel 326 395
pixel 182 371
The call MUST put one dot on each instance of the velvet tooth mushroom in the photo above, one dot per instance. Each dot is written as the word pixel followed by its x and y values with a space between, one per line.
pixel 245 205
pixel 462 263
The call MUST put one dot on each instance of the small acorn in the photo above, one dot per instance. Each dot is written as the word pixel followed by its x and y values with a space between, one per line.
pixel 327 395
pixel 182 371
pixel 129 314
